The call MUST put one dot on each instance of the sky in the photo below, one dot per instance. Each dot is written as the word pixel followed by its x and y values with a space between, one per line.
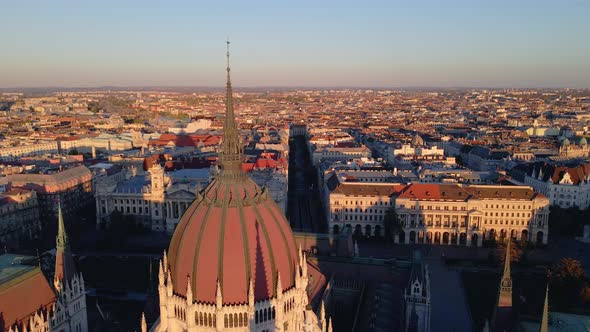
pixel 281 43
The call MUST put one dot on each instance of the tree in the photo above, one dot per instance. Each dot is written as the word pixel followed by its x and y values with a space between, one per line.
pixel 567 283
pixel 73 152
pixel 517 253
pixel 391 223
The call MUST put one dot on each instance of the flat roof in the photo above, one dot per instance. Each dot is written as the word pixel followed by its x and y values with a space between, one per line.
pixel 12 265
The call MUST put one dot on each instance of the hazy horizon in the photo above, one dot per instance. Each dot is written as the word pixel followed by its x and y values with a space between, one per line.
pixel 333 44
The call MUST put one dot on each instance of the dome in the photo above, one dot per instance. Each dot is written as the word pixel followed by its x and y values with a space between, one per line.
pixel 583 141
pixel 233 234
pixel 565 142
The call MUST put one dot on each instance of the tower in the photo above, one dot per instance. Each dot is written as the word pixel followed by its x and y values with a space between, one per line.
pixel 503 315
pixel 417 297
pixel 157 179
pixel 233 263
pixel 69 286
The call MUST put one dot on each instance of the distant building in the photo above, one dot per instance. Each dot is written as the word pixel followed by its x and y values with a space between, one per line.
pixel 485 159
pixel 25 150
pixel 440 213
pixel 19 216
pixel 566 187
pixel 469 215
pixel 580 150
pixel 72 187
pixel 155 199
pixel 340 154
pixel 191 127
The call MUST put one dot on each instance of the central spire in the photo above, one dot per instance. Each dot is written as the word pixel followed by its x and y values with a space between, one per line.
pixel 231 152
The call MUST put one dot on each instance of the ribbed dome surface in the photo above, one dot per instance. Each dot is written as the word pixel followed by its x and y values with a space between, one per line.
pixel 233 233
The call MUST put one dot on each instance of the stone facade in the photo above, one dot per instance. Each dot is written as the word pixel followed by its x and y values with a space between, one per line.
pixel 153 199
pixel 441 213
pixel 289 310
pixel 19 216
pixel 566 187
pixel 72 187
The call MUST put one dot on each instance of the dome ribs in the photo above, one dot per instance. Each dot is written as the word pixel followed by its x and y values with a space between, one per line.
pixel 197 249
pixel 225 203
pixel 270 251
pixel 234 278
pixel 205 282
pixel 193 208
pixel 245 243
pixel 290 261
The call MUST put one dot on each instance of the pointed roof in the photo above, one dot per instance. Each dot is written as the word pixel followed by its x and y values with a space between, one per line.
pixel 506 273
pixel 61 239
pixel 545 320
pixel 64 263
pixel 231 152
pixel 503 317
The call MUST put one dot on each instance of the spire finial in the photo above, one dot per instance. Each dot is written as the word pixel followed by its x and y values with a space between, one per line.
pixel 227 42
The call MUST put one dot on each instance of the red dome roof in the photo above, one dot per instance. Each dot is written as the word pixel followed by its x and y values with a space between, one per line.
pixel 233 234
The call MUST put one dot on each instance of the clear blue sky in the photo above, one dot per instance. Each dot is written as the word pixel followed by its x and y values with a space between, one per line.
pixel 436 43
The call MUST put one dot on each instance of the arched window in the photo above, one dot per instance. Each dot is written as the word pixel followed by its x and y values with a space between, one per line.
pixel 256 317
pixel 225 321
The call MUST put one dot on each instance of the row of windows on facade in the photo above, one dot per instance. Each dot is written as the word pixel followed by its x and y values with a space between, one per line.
pixel 438 223
pixel 382 203
pixel 236 319
pixel 359 218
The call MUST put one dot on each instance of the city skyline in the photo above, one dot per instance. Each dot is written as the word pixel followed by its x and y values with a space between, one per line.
pixel 380 45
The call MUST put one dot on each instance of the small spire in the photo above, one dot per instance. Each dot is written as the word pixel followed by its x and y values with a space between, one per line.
pixel 169 288
pixel 251 293
pixel 161 278
pixel 507 260
pixel 279 286
pixel 189 290
pixel 143 323
pixel 329 325
pixel 165 258
pixel 62 237
pixel 545 318
pixel 218 296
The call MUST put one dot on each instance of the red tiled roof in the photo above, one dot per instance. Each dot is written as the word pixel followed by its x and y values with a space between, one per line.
pixel 186 140
pixel 234 235
pixel 24 295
